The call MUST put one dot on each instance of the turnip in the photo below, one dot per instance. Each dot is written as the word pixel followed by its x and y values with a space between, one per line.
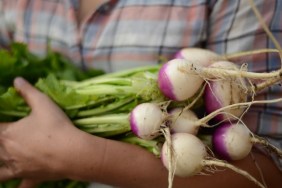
pixel 198 56
pixel 176 84
pixel 179 120
pixel 146 120
pixel 223 92
pixel 185 155
pixel 204 57
pixel 185 121
pixel 234 141
pixel 180 79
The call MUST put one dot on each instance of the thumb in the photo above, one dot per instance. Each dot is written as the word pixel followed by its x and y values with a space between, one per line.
pixel 27 91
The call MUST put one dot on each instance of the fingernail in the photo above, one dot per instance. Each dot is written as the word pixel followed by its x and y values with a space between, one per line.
pixel 19 82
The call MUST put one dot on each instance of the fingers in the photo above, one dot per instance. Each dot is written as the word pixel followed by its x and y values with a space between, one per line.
pixel 27 91
pixel 35 98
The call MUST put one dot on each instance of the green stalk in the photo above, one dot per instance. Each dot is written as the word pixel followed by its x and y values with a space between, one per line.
pixel 152 146
pixel 91 103
pixel 105 119
pixel 106 125
pixel 106 90
pixel 105 109
pixel 13 113
pixel 111 81
pixel 125 73
pixel 144 86
pixel 127 107
pixel 107 130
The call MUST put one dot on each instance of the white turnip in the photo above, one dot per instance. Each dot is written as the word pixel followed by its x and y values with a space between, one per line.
pixel 224 92
pixel 186 156
pixel 185 121
pixel 234 141
pixel 176 84
pixel 146 120
pixel 198 56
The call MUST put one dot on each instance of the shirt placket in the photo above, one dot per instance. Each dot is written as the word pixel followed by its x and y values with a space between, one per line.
pixel 83 29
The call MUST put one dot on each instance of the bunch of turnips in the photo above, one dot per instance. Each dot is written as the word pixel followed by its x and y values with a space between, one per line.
pixel 223 89
pixel 162 108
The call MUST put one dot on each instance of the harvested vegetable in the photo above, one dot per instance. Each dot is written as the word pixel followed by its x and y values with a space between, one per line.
pixel 234 141
pixel 189 156
pixel 151 102
pixel 224 92
pixel 146 120
pixel 176 84
pixel 198 56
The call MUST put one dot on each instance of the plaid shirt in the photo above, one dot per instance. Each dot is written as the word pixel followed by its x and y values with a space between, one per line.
pixel 123 34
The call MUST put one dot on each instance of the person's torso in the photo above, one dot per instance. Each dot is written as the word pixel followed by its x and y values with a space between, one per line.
pixel 115 36
pixel 131 33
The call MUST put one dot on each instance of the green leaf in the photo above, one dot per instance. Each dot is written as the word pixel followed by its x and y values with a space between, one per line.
pixel 19 61
pixel 64 96
pixel 11 100
pixel 12 106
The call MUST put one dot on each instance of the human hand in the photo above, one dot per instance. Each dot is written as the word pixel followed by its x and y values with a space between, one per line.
pixel 36 146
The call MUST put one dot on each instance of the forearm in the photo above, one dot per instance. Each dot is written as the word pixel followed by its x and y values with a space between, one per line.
pixel 111 162
pixel 125 165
